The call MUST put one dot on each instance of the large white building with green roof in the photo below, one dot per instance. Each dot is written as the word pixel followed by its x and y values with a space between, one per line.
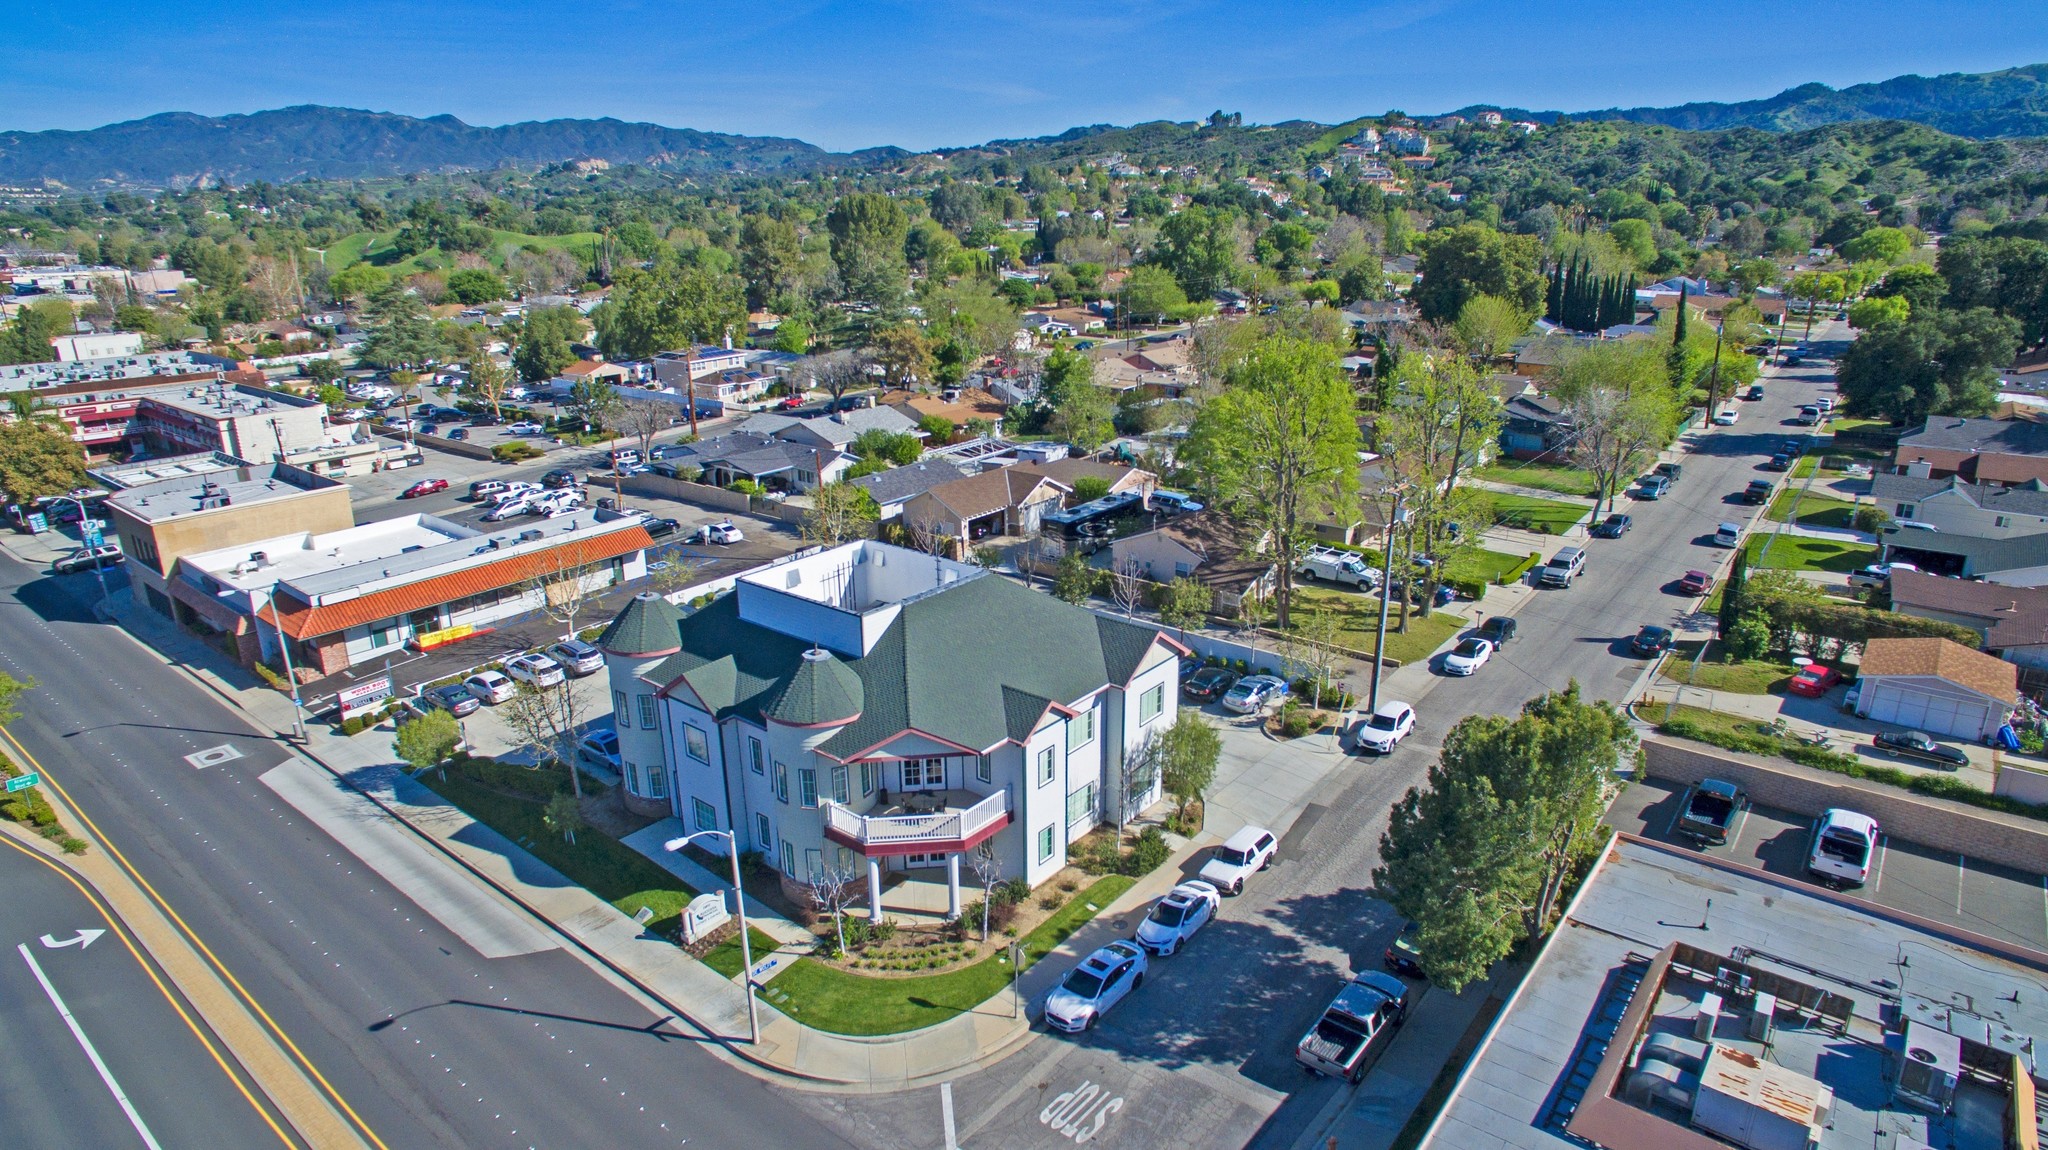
pixel 877 710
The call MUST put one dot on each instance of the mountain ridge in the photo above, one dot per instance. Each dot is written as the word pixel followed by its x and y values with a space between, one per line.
pixel 311 141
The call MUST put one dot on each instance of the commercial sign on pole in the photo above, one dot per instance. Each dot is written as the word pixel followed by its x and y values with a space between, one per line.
pixel 364 696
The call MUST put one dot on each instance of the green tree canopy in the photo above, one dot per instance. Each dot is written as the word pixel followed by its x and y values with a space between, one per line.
pixel 544 340
pixel 868 229
pixel 37 459
pixel 1939 363
pixel 1473 259
pixel 1083 414
pixel 667 309
pixel 476 285
pixel 402 334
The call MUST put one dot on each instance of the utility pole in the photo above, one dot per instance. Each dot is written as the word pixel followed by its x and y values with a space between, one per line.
pixel 690 383
pixel 284 647
pixel 1714 376
pixel 1386 595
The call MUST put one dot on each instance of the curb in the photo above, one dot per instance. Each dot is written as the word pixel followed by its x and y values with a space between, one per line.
pixel 727 1045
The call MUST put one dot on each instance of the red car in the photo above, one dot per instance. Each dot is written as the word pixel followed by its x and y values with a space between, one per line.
pixel 791 402
pixel 1814 680
pixel 424 487
pixel 1695 583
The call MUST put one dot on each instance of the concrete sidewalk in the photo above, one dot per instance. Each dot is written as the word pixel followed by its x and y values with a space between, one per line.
pixel 364 771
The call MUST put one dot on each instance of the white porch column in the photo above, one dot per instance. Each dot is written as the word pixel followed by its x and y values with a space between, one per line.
pixel 874 889
pixel 953 885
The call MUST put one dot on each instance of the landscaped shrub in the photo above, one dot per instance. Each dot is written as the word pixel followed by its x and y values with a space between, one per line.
pixel 1149 853
pixel 516 451
pixel 1514 574
pixel 1298 721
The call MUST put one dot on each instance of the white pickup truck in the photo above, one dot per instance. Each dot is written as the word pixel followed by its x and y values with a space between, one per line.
pixel 1347 568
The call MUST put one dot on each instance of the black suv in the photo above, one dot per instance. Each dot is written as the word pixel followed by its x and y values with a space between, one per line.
pixel 559 477
pixel 1671 471
pixel 1758 491
pixel 1613 526
pixel 1497 630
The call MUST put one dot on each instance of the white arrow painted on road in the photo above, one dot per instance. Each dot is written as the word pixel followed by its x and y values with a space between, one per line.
pixel 81 940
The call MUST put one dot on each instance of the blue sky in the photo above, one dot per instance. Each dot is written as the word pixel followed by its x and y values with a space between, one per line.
pixel 924 74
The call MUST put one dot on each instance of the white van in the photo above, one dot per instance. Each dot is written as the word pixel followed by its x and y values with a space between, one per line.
pixel 1844 845
pixel 1728 535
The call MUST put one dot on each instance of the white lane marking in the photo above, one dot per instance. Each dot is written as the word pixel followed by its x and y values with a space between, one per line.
pixel 1883 842
pixel 81 940
pixel 78 1032
pixel 946 1114
pixel 1962 868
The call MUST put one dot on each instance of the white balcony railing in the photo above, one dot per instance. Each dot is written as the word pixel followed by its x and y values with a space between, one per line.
pixel 943 826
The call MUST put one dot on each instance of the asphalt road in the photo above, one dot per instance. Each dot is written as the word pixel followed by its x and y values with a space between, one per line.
pixel 59 955
pixel 430 1042
pixel 1236 1000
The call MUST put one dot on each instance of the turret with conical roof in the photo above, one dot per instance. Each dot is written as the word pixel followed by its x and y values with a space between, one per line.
pixel 646 628
pixel 821 692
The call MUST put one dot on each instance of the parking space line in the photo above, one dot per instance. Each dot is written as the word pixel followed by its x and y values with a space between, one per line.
pixel 2044 905
pixel 1735 832
pixel 1671 828
pixel 1962 867
pixel 1883 843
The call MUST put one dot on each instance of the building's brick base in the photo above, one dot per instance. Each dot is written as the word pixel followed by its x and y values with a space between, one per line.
pixel 651 808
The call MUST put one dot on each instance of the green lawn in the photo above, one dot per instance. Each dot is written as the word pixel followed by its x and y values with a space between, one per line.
pixel 725 958
pixel 1542 476
pixel 1482 566
pixel 1547 516
pixel 375 247
pixel 1815 510
pixel 1807 465
pixel 846 1003
pixel 597 862
pixel 1755 677
pixel 1361 620
pixel 1800 553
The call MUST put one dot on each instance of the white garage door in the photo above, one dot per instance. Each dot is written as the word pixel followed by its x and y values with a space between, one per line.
pixel 1935 714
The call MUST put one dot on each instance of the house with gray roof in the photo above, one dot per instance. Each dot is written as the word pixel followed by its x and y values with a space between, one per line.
pixel 897 486
pixel 837 430
pixel 2000 451
pixel 1954 506
pixel 776 464
pixel 872 709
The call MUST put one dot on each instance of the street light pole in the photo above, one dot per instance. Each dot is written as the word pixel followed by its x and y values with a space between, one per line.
pixel 284 647
pixel 84 518
pixel 739 898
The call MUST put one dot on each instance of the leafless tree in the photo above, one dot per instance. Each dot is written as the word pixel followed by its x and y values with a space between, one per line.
pixel 835 373
pixel 832 890
pixel 1127 586
pixel 565 591
pixel 1037 555
pixel 1311 646
pixel 1140 769
pixel 988 871
pixel 546 721
pixel 839 512
pixel 676 574
pixel 643 419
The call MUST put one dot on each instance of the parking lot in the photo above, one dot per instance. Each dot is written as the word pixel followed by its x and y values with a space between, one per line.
pixel 1936 883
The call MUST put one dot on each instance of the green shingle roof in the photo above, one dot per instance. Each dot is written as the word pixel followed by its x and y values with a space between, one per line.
pixel 646 627
pixel 974 665
pixel 821 691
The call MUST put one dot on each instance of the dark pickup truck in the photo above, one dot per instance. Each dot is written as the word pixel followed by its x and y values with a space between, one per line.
pixel 1710 809
pixel 1370 1005
pixel 1758 491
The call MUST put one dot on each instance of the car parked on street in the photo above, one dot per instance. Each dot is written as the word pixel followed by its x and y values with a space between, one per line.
pixel 1368 1009
pixel 1650 640
pixel 490 687
pixel 1176 917
pixel 1241 856
pixel 576 657
pixel 1778 462
pixel 424 487
pixel 1613 527
pixel 1403 956
pixel 1814 680
pixel 453 698
pixel 1694 583
pixel 1918 745
pixel 1208 684
pixel 1652 487
pixel 89 558
pixel 1097 984
pixel 1467 657
pixel 1384 729
pixel 1254 693
pixel 1497 630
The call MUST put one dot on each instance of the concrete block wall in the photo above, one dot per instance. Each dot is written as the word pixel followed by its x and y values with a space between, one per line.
pixel 1994 836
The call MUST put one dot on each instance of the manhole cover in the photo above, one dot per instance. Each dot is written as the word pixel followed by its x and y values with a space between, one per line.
pixel 213 756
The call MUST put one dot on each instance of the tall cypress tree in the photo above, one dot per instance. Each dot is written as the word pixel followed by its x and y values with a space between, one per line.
pixel 1731 593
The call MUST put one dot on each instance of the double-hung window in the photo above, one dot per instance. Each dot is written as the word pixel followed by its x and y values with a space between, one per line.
pixel 1151 703
pixel 1081 730
pixel 781 782
pixel 867 779
pixel 754 754
pixel 1044 844
pixel 1081 804
pixel 807 785
pixel 707 818
pixel 764 835
pixel 839 784
pixel 1045 766
pixel 657 781
pixel 984 769
pixel 647 712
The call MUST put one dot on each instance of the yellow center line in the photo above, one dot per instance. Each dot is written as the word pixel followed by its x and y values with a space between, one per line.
pixel 120 932
pixel 304 1061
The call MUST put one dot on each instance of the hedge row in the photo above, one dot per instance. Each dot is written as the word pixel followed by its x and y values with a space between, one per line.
pixel 1821 759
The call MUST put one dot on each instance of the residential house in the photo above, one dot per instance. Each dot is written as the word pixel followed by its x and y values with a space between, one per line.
pixel 1206 546
pixel 956 406
pixel 999 501
pixel 1534 426
pixel 775 464
pixel 1068 472
pixel 2013 621
pixel 1990 451
pixel 1937 686
pixel 837 430
pixel 596 369
pixel 873 711
pixel 1954 506
pixel 1543 355
pixel 894 488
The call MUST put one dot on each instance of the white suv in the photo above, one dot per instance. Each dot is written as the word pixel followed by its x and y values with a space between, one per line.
pixel 538 670
pixel 1385 728
pixel 1243 854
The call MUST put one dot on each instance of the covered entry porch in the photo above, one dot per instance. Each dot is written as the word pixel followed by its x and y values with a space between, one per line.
pixel 949 825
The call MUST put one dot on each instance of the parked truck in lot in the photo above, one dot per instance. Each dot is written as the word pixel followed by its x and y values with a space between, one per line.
pixel 1371 1005
pixel 1330 565
pixel 1710 809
